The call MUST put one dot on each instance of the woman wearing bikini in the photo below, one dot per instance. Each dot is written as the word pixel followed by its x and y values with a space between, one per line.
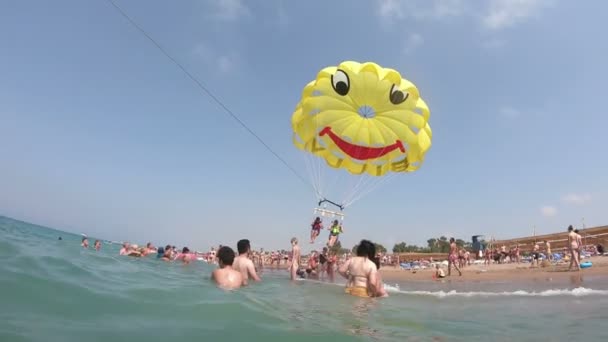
pixel 361 272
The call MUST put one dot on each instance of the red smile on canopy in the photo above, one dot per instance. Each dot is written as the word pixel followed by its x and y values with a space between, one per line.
pixel 360 152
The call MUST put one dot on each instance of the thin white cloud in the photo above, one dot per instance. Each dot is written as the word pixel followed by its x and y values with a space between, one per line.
pixel 388 9
pixel 548 211
pixel 222 62
pixel 436 9
pixel 226 63
pixel 509 113
pixel 230 10
pixel 493 15
pixel 414 40
pixel 506 13
pixel 578 199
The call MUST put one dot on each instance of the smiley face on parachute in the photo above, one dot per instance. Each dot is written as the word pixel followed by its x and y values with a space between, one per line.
pixel 363 118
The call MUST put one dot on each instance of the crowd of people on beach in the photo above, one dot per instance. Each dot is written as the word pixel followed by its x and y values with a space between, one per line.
pixel 360 270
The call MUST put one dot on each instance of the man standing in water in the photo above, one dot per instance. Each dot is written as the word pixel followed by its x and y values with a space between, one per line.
pixel 295 259
pixel 225 276
pixel 85 242
pixel 243 264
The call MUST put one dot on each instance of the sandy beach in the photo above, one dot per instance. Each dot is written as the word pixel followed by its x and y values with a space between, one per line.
pixel 501 272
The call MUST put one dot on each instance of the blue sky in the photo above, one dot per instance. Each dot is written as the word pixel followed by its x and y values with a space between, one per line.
pixel 102 134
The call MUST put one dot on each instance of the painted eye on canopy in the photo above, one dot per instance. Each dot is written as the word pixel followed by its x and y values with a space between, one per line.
pixel 397 96
pixel 340 82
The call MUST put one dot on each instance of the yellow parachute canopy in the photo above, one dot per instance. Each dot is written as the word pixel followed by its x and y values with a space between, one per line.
pixel 363 118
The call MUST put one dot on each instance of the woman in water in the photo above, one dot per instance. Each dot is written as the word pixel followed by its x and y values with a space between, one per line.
pixel 380 290
pixel 334 231
pixel 361 273
pixel 317 225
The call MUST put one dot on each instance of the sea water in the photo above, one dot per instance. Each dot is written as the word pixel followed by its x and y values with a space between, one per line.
pixel 54 290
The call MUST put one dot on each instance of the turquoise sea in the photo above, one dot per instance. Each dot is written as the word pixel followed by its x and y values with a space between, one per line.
pixel 54 290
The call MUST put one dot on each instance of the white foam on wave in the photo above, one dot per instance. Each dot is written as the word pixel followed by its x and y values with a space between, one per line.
pixel 576 292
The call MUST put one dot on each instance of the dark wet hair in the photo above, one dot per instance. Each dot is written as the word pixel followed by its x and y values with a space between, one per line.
pixel 243 246
pixel 570 228
pixel 452 239
pixel 576 231
pixel 226 255
pixel 167 247
pixel 377 262
pixel 185 250
pixel 366 248
pixel 84 238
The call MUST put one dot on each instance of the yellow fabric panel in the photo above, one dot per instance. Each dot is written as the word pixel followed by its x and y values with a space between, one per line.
pixel 363 118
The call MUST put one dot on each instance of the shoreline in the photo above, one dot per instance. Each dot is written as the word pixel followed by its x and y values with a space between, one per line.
pixel 502 272
pixel 494 278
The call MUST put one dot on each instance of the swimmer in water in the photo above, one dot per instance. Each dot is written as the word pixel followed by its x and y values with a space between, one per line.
pixel 311 270
pixel 226 277
pixel 380 290
pixel 97 245
pixel 125 249
pixel 243 264
pixel 361 272
pixel 85 242
pixel 295 259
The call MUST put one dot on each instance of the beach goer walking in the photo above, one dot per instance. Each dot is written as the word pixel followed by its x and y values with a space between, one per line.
pixel 548 248
pixel 243 264
pixel 225 276
pixel 316 226
pixel 573 245
pixel 334 231
pixel 97 245
pixel 535 255
pixel 453 258
pixel 295 259
pixel 581 247
pixel 361 272
pixel 84 243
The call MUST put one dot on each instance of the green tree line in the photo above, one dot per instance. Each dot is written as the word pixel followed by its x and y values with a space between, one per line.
pixel 434 245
